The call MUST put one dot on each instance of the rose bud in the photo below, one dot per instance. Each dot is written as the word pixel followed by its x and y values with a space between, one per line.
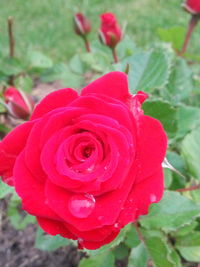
pixel 192 6
pixel 18 103
pixel 110 32
pixel 82 27
pixel 82 156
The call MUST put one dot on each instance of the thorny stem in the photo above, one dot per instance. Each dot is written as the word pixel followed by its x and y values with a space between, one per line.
pixel 192 23
pixel 87 44
pixel 11 45
pixel 191 188
pixel 11 37
pixel 137 227
pixel 115 56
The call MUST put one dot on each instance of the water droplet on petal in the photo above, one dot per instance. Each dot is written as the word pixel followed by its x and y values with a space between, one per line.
pixel 90 169
pixel 106 167
pixel 153 198
pixel 116 225
pixel 81 206
pixel 100 218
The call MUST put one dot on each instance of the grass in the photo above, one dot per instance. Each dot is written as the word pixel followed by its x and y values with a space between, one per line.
pixel 46 25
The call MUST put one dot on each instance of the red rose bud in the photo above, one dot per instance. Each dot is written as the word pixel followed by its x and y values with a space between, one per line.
pixel 18 103
pixel 110 32
pixel 82 25
pixel 192 6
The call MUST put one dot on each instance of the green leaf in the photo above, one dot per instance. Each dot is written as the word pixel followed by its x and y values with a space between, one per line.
pixel 121 252
pixel 126 47
pixel 132 240
pixel 5 189
pixel 174 35
pixel 2 107
pixel 148 70
pixel 191 150
pixel 180 83
pixel 189 246
pixel 171 213
pixel 4 129
pixel 188 120
pixel 105 259
pixel 62 73
pixel 11 66
pixel 18 220
pixel 138 256
pixel 76 64
pixel 159 250
pixel 168 177
pixel 24 83
pixel 38 60
pixel 186 229
pixel 54 73
pixel 47 242
pixel 164 112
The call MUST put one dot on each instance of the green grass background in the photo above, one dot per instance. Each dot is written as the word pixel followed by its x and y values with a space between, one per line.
pixel 46 25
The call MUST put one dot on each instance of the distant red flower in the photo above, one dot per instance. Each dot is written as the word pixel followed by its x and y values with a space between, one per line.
pixel 192 6
pixel 82 25
pixel 18 103
pixel 110 32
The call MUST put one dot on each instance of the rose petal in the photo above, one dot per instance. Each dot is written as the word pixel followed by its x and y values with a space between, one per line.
pixel 141 196
pixel 152 146
pixel 10 147
pixel 113 84
pixel 54 227
pixel 57 99
pixel 30 190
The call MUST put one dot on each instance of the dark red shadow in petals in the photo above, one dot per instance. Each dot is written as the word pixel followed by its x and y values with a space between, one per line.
pixel 141 196
pixel 57 99
pixel 31 191
pixel 10 147
pixel 54 227
pixel 96 245
pixel 98 234
pixel 152 146
pixel 113 84
pixel 97 105
pixel 58 199
pixel 40 134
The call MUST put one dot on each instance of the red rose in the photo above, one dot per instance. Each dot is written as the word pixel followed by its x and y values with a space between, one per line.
pixel 192 6
pixel 110 32
pixel 81 24
pixel 87 165
pixel 19 104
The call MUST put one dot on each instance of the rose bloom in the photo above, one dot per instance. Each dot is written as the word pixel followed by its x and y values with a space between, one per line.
pixel 86 165
pixel 192 6
pixel 110 32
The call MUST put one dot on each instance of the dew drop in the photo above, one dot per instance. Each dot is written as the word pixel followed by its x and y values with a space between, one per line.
pixel 116 225
pixel 105 168
pixel 153 198
pixel 81 206
pixel 100 218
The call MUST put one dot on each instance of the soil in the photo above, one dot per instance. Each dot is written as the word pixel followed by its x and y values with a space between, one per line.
pixel 17 248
